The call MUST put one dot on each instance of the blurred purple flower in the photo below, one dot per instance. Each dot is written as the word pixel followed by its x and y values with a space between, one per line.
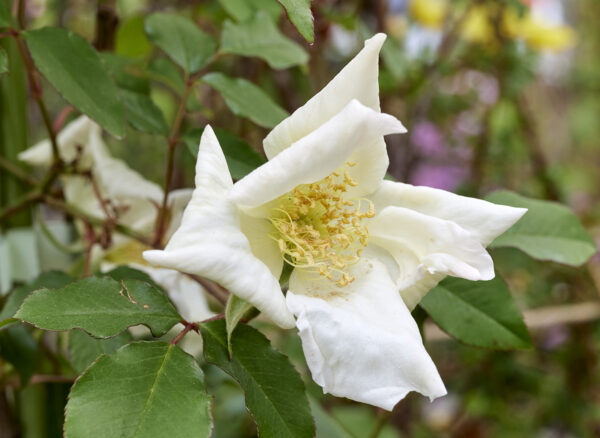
pixel 428 139
pixel 439 176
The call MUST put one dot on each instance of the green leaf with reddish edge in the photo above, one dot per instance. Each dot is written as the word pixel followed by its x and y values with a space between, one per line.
pixel 479 313
pixel 101 306
pixel 247 100
pixel 260 37
pixel 299 13
pixel 143 390
pixel 548 231
pixel 75 69
pixel 181 39
pixel 274 391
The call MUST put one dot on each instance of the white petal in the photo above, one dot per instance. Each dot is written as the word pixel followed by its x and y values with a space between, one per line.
pixel 74 136
pixel 178 200
pixel 187 295
pixel 354 134
pixel 483 219
pixel 426 249
pixel 257 231
pixel 209 241
pixel 360 341
pixel 116 179
pixel 358 80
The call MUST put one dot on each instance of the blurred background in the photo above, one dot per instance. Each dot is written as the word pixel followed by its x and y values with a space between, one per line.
pixel 495 94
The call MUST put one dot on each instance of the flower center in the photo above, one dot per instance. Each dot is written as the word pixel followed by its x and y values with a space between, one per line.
pixel 321 228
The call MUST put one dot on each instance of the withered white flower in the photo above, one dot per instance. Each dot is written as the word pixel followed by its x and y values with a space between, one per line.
pixel 364 250
pixel 132 197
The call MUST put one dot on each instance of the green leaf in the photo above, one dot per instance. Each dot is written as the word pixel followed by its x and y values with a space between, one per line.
pixel 548 231
pixel 327 425
pixel 74 68
pixel 102 307
pixel 131 39
pixel 143 390
pixel 298 11
pixel 126 73
pixel 242 10
pixel 165 71
pixel 3 62
pixel 480 313
pixel 261 38
pixel 50 280
pixel 5 13
pixel 274 391
pixel 125 272
pixel 18 346
pixel 84 349
pixel 143 114
pixel 181 39
pixel 247 100
pixel 235 310
pixel 241 158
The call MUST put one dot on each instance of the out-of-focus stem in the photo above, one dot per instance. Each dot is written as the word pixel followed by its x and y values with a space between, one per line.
pixel 161 219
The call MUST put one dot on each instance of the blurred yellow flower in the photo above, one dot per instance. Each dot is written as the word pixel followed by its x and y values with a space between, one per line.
pixel 429 13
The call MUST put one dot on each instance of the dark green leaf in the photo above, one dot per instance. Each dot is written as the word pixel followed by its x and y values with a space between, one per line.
pixel 181 39
pixel 84 349
pixel 19 347
pixel 126 73
pixel 102 307
pixel 3 62
pixel 128 273
pixel 165 71
pixel 261 38
pixel 5 13
pixel 143 114
pixel 243 10
pixel 480 313
pixel 247 100
pixel 77 72
pixel 143 390
pixel 50 280
pixel 298 11
pixel 548 231
pixel 274 391
pixel 241 158
pixel 235 309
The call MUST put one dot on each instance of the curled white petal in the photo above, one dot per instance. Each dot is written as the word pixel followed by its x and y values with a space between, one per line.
pixel 426 249
pixel 360 341
pixel 210 243
pixel 482 219
pixel 357 80
pixel 73 137
pixel 354 134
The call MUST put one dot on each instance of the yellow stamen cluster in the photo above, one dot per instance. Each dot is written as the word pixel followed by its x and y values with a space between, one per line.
pixel 321 228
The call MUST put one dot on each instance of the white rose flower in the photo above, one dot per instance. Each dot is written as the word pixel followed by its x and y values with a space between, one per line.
pixel 364 250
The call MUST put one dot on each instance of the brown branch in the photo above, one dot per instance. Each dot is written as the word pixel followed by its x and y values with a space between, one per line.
pixel 161 219
pixel 188 327
pixel 17 172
